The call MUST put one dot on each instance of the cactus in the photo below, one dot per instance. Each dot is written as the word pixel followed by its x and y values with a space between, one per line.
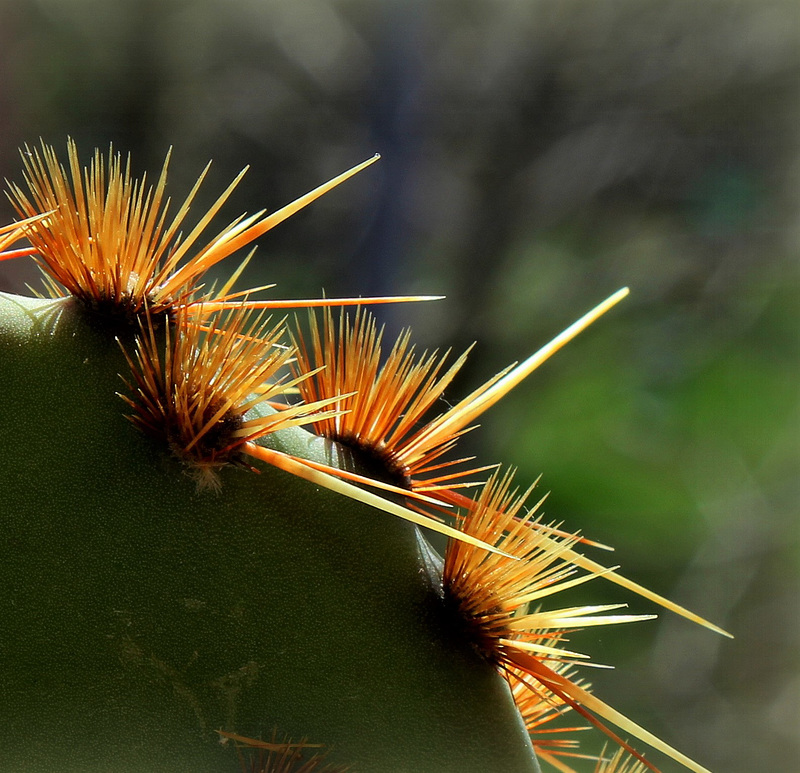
pixel 196 560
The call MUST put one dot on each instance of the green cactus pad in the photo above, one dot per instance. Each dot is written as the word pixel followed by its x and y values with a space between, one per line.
pixel 140 615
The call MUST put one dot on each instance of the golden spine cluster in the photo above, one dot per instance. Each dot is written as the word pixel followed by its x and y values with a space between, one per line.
pixel 201 361
pixel 276 756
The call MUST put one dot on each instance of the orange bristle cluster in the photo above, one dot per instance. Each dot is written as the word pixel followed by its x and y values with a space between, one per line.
pixel 486 598
pixel 385 402
pixel 490 594
pixel 276 756
pixel 108 240
pixel 194 387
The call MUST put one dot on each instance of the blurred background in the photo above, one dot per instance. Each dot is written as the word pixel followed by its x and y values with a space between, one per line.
pixel 536 156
